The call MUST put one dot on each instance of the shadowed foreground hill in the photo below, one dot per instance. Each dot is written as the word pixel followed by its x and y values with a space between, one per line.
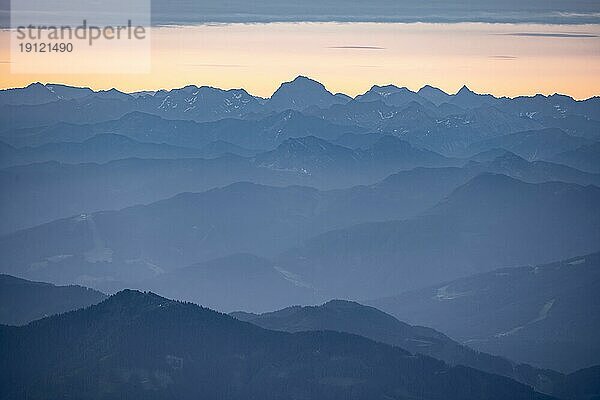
pixel 582 384
pixel 352 317
pixel 142 346
pixel 22 301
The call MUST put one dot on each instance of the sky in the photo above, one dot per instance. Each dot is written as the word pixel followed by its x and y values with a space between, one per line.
pixel 503 59
pixel 192 12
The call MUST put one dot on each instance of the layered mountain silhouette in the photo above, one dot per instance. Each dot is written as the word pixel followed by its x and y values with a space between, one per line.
pixel 352 317
pixel 446 210
pixel 37 93
pixel 301 93
pixel 101 148
pixel 39 193
pixel 328 163
pixel 198 103
pixel 491 221
pixel 447 128
pixel 585 158
pixel 73 189
pixel 264 133
pixel 466 98
pixel 150 347
pixel 238 281
pixel 510 164
pixel 435 95
pixel 24 301
pixel 243 217
pixel 532 145
pixel 442 122
pixel 582 384
pixel 393 96
pixel 546 315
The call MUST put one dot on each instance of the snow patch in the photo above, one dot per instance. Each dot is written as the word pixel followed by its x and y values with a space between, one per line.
pixel 151 266
pixel 542 315
pixel 444 294
pixel 293 278
pixel 544 311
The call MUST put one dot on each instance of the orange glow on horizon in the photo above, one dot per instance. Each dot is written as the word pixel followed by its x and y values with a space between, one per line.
pixel 351 57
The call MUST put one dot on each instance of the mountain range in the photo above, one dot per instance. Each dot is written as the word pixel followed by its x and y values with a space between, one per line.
pixel 335 315
pixel 533 145
pixel 352 317
pixel 23 301
pixel 489 222
pixel 150 347
pixel 242 217
pixel 430 118
pixel 319 236
pixel 449 213
pixel 585 158
pixel 69 189
pixel 546 315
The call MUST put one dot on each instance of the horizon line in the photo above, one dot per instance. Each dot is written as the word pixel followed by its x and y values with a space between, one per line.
pixel 97 89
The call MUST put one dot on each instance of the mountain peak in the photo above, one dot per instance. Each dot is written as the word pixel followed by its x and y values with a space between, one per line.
pixel 342 304
pixel 134 331
pixel 433 94
pixel 140 115
pixel 305 79
pixel 392 141
pixel 212 89
pixel 389 87
pixel 114 93
pixel 301 93
pixel 509 156
pixel 465 97
pixel 39 89
pixel 128 296
pixel 36 85
pixel 490 179
pixel 377 91
pixel 130 302
pixel 188 88
pixel 465 90
pixel 432 89
pixel 306 144
pixel 302 82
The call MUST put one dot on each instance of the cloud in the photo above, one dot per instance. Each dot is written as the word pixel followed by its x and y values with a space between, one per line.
pixel 553 34
pixel 357 47
pixel 214 65
pixel 503 57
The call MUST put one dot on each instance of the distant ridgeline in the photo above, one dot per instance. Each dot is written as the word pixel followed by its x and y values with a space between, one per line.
pixel 146 346
pixel 474 216
pixel 143 346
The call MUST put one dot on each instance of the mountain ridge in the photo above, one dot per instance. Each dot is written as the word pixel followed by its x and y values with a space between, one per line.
pixel 553 323
pixel 353 317
pixel 240 357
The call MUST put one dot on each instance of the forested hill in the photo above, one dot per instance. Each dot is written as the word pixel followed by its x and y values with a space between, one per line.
pixel 142 346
